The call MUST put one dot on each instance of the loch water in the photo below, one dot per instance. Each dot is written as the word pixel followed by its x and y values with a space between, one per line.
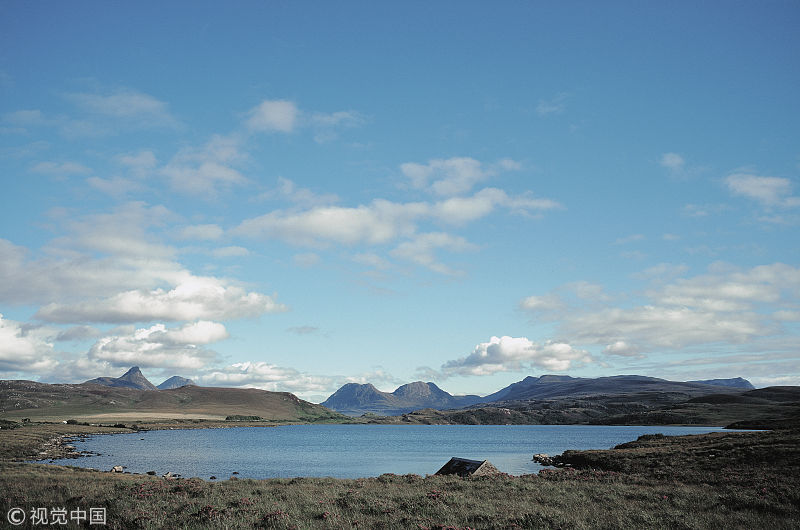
pixel 346 451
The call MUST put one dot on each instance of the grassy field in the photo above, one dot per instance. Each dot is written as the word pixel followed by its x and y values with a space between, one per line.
pixel 722 480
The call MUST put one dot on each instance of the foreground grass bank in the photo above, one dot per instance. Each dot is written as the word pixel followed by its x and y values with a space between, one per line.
pixel 730 480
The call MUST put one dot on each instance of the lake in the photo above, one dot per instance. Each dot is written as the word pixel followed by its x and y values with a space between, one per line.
pixel 347 451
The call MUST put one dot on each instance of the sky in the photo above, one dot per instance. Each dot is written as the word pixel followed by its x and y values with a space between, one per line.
pixel 297 195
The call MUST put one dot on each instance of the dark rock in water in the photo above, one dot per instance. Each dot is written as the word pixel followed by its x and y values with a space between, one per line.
pixel 544 459
pixel 212 477
pixel 468 468
pixel 151 472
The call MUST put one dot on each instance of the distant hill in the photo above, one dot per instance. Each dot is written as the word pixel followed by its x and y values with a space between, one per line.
pixel 564 386
pixel 634 391
pixel 91 402
pixel 735 382
pixel 175 382
pixel 356 399
pixel 133 378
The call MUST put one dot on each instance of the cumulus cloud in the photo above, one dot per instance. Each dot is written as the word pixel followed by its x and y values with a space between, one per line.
pixel 158 346
pixel 24 348
pixel 509 354
pixel 193 298
pixel 767 191
pixel 266 377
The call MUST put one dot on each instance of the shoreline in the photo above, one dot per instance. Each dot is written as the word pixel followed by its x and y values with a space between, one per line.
pixel 61 446
pixel 718 480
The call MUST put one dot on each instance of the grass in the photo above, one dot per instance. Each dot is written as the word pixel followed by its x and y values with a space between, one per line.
pixel 751 481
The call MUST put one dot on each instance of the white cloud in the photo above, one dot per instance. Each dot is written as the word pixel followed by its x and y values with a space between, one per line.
pixel 266 377
pixel 114 186
pixel 660 327
pixel 545 303
pixel 24 349
pixel 629 239
pixel 326 126
pixel 768 191
pixel 273 115
pixel 160 347
pixel 61 169
pixel 129 105
pixel 508 354
pixel 372 260
pixel 206 232
pixel 556 105
pixel 672 161
pixel 193 298
pixel 379 222
pixel 206 170
pixel 302 196
pixel 452 176
pixel 230 252
pixel 139 164
pixel 193 333
pixel 727 306
pixel 462 210
pixel 623 349
pixel 306 260
pixel 421 249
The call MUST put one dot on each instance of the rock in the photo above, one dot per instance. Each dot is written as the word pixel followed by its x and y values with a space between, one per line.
pixel 151 472
pixel 169 475
pixel 545 459
pixel 117 469
pixel 212 477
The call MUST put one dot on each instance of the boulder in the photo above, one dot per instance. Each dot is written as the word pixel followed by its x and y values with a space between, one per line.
pixel 117 469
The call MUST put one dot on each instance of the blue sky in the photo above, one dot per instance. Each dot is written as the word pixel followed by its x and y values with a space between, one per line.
pixel 293 196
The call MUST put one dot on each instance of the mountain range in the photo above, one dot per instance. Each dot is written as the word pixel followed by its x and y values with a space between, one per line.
pixel 134 378
pixel 356 399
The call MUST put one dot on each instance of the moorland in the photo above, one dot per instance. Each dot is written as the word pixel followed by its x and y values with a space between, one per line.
pixel 727 479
